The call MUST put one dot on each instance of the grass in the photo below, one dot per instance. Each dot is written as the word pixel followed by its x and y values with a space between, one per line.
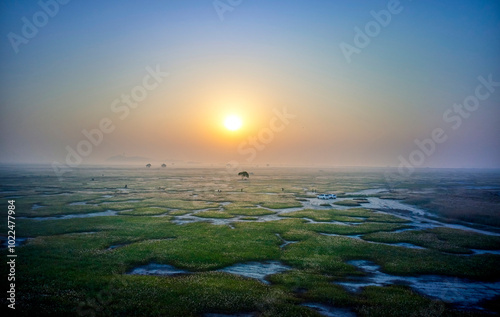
pixel 145 211
pixel 347 203
pixel 320 215
pixel 327 255
pixel 441 239
pixel 344 215
pixel 214 214
pixel 250 212
pixel 179 212
pixel 67 268
pixel 396 301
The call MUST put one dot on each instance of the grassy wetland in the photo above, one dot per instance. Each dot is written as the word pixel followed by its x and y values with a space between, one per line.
pixel 208 243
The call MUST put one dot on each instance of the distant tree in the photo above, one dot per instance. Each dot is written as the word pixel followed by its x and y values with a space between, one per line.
pixel 243 174
pixel 148 165
pixel 164 165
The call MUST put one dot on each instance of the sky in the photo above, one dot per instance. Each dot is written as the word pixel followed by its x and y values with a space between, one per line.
pixel 315 83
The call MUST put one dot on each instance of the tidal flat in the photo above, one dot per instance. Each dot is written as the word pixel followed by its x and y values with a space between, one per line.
pixel 132 241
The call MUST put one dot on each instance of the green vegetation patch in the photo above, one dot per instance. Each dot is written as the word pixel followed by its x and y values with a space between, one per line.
pixel 179 212
pixel 214 214
pixel 320 215
pixel 397 301
pixel 145 211
pixel 347 203
pixel 344 215
pixel 68 264
pixel 329 254
pixel 441 239
pixel 182 204
pixel 363 228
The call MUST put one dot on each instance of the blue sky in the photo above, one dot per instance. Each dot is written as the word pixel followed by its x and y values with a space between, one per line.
pixel 262 56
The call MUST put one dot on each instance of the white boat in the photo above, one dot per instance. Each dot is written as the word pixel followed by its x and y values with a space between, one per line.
pixel 327 196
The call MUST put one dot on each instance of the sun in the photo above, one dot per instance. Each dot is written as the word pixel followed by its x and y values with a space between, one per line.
pixel 232 123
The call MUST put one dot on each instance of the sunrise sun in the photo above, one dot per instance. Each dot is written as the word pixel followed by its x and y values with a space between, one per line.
pixel 232 123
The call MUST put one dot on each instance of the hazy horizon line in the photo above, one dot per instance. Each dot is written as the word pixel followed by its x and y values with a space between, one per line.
pixel 243 166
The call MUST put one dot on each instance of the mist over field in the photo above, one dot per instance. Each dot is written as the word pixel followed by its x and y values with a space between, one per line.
pixel 377 83
pixel 236 158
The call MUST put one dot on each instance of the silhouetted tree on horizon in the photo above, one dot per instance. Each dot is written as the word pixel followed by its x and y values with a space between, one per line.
pixel 243 174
